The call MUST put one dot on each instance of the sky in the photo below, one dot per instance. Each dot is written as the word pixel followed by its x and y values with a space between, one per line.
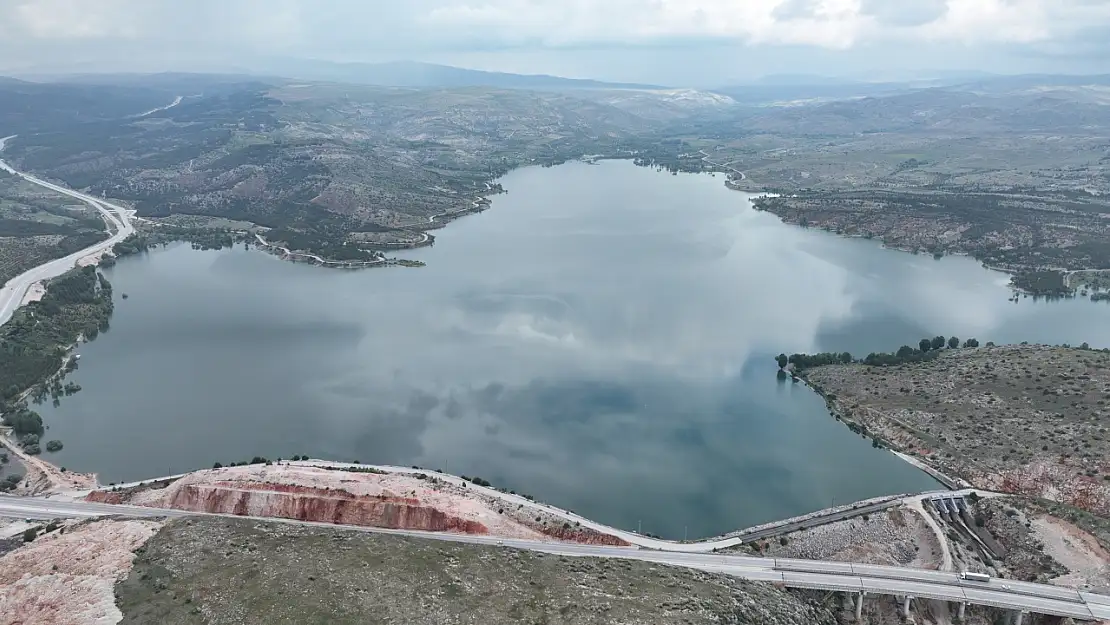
pixel 688 42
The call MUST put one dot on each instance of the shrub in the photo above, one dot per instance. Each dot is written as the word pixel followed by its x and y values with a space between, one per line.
pixel 53 445
pixel 30 534
pixel 783 541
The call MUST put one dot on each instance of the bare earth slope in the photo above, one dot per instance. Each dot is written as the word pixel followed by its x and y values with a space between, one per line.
pixel 66 576
pixel 365 497
pixel 220 571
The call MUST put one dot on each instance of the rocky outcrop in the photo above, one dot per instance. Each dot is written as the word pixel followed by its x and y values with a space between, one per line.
pixel 303 503
pixel 105 496
pixel 584 535
pixel 68 574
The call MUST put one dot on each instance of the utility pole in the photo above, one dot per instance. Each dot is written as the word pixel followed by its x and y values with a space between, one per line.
pixel 639 526
pixel 684 533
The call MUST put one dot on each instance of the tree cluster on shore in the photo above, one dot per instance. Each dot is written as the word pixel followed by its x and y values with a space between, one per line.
pixel 926 348
pixel 34 346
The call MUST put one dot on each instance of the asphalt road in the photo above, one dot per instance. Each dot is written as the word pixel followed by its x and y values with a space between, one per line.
pixel 117 218
pixel 834 576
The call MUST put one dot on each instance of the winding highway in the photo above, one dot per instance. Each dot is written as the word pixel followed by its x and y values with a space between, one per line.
pixel 858 579
pixel 117 219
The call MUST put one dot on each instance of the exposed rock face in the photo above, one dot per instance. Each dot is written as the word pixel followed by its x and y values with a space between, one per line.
pixel 314 493
pixel 362 496
pixel 105 496
pixel 289 501
pixel 585 536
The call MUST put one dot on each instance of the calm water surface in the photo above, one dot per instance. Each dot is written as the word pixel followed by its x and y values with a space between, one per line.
pixel 602 339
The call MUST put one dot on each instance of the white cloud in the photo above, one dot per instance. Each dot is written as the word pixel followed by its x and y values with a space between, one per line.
pixel 59 30
pixel 825 23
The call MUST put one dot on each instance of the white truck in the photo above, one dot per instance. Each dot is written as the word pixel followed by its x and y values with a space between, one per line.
pixel 969 576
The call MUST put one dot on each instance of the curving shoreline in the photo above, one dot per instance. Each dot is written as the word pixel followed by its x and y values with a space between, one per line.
pixel 845 417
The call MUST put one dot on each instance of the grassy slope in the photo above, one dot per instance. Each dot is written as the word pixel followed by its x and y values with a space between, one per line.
pixel 231 571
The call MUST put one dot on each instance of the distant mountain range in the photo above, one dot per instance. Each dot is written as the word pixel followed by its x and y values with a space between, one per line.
pixel 415 74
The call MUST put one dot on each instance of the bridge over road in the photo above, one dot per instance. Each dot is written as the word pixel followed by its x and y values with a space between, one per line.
pixel 858 580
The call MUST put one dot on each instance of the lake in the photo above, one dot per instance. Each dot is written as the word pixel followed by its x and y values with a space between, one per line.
pixel 602 339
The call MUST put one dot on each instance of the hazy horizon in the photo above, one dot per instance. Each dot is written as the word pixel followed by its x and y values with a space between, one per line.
pixel 698 43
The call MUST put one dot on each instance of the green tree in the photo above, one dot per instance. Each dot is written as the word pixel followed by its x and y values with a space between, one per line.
pixel 925 345
pixel 938 342
pixel 54 445
pixel 782 360
pixel 971 343
pixel 953 342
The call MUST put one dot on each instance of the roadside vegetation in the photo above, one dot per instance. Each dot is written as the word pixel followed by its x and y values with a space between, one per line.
pixel 35 344
pixel 38 225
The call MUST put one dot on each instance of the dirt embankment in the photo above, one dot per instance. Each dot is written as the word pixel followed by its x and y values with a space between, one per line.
pixel 896 537
pixel 368 499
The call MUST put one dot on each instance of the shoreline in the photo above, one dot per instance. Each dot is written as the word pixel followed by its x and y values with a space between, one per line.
pixel 949 482
pixel 1010 271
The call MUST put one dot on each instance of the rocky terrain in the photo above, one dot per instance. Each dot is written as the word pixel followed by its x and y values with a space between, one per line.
pixel 218 571
pixel 1021 419
pixel 366 497
pixel 897 537
pixel 1046 542
pixel 65 573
